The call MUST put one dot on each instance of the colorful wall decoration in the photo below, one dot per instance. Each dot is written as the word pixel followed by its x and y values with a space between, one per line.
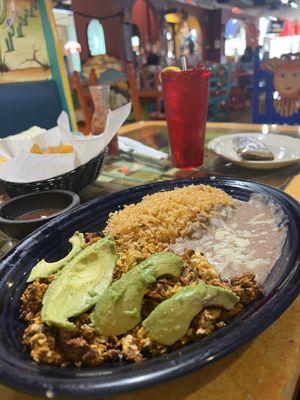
pixel 23 50
pixel 286 82
pixel 276 90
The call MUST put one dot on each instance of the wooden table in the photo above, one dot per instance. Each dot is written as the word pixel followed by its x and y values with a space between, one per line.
pixel 268 367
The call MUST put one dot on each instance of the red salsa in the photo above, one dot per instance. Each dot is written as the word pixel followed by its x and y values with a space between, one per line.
pixel 37 214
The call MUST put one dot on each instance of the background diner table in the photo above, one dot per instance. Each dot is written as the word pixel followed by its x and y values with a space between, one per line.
pixel 268 367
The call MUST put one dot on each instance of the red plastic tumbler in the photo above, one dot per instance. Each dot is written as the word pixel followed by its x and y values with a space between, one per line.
pixel 185 94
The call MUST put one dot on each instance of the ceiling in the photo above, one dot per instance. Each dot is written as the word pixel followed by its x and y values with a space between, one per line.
pixel 277 8
pixel 285 8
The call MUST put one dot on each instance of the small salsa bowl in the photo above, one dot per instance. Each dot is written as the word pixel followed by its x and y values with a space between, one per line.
pixel 24 214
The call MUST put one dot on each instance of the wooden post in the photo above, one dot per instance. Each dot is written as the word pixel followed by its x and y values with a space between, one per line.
pixel 82 101
pixel 92 77
pixel 134 92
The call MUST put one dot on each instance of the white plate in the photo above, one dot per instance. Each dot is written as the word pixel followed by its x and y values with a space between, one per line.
pixel 286 150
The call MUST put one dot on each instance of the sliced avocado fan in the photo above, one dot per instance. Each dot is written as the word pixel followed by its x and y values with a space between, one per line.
pixel 44 268
pixel 77 287
pixel 170 320
pixel 119 308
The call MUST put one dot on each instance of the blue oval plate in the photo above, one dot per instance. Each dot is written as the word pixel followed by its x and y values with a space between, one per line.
pixel 50 242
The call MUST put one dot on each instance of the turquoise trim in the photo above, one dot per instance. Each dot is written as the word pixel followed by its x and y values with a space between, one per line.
pixel 54 64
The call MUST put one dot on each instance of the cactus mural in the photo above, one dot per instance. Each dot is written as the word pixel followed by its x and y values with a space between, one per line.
pixel 25 16
pixel 19 30
pixel 23 51
pixel 9 39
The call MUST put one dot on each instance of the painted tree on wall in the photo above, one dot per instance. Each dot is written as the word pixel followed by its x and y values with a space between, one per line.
pixel 35 59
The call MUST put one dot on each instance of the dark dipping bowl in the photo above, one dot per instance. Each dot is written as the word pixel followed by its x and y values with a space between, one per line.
pixel 13 209
pixel 51 242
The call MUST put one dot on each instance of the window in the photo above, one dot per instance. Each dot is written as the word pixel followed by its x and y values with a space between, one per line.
pixel 96 39
pixel 283 45
pixel 135 40
pixel 235 34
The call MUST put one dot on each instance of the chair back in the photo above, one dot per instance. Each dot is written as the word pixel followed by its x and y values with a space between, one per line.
pixel 134 91
pixel 113 74
pixel 92 77
pixel 82 99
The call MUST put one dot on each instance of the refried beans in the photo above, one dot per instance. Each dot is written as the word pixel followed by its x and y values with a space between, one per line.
pixel 239 238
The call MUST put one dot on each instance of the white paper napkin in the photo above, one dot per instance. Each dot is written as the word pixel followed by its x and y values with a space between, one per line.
pixel 36 165
pixel 130 145
pixel 24 166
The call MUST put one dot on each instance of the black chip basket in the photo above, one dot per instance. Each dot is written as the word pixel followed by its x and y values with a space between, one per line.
pixel 74 180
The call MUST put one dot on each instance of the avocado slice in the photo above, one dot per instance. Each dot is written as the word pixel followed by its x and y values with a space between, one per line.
pixel 119 308
pixel 77 287
pixel 43 269
pixel 170 320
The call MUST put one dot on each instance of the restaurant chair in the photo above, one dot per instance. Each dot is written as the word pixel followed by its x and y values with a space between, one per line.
pixel 85 101
pixel 137 113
